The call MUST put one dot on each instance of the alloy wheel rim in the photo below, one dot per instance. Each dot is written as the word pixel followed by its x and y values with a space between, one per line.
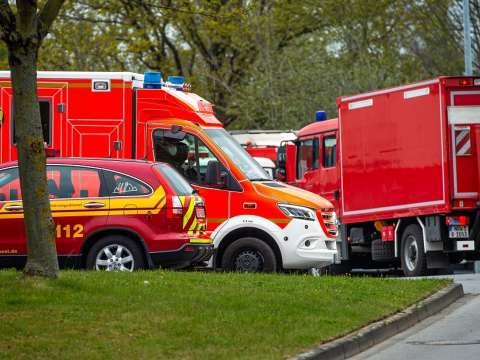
pixel 249 261
pixel 411 258
pixel 115 257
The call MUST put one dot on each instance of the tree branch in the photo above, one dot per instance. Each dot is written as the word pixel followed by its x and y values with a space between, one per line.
pixel 7 21
pixel 46 16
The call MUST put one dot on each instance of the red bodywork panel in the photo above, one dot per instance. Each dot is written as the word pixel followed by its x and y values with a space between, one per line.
pixel 269 152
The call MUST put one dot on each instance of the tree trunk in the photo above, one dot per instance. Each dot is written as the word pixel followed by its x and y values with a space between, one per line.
pixel 42 256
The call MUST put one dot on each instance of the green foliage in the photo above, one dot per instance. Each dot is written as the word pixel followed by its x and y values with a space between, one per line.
pixel 266 64
pixel 188 315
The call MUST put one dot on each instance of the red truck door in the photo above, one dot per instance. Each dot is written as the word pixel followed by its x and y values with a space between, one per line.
pixel 328 177
pixel 192 158
pixel 308 164
pixel 464 121
pixel 52 113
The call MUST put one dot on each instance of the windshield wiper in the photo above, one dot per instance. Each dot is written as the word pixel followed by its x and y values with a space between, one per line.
pixel 260 179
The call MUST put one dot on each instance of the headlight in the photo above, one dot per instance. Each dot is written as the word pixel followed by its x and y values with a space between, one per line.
pixel 297 212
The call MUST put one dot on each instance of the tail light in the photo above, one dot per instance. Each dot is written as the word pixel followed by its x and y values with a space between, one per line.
pixel 388 233
pixel 199 208
pixel 175 210
pixel 457 220
pixel 329 219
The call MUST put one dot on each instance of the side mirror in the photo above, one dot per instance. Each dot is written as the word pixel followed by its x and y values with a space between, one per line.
pixel 213 175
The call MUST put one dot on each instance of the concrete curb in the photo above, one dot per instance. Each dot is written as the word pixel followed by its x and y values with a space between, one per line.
pixel 375 333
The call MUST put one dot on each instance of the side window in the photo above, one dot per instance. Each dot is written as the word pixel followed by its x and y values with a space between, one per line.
pixel 10 185
pixel 191 158
pixel 46 119
pixel 66 182
pixel 329 151
pixel 308 158
pixel 123 185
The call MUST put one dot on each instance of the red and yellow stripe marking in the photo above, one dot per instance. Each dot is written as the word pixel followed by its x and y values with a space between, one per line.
pixel 190 221
pixel 113 206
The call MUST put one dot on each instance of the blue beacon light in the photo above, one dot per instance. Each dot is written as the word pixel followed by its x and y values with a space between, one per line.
pixel 321 115
pixel 152 80
pixel 176 80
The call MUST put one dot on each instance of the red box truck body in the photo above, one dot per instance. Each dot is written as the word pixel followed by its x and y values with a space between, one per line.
pixel 401 166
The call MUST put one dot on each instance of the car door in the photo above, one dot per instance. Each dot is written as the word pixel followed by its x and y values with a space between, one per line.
pixel 12 239
pixel 79 205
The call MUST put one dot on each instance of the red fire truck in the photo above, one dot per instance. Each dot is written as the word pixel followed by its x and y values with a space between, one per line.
pixel 263 143
pixel 257 224
pixel 401 166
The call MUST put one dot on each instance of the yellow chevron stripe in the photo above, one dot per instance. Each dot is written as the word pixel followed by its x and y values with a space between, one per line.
pixel 191 231
pixel 189 213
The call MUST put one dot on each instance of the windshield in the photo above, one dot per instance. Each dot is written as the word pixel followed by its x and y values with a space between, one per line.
pixel 252 170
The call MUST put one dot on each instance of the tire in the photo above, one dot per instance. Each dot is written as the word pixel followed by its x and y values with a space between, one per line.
pixel 414 260
pixel 382 250
pixel 249 255
pixel 125 254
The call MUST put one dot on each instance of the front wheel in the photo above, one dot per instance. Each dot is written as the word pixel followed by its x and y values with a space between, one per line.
pixel 414 261
pixel 115 253
pixel 249 255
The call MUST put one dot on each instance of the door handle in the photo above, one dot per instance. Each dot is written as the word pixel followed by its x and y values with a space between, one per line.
pixel 94 205
pixel 14 208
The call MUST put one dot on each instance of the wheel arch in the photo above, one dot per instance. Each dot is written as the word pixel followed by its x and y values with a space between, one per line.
pixel 402 224
pixel 94 237
pixel 242 232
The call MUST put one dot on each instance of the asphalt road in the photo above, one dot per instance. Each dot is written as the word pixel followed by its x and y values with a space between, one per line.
pixel 453 334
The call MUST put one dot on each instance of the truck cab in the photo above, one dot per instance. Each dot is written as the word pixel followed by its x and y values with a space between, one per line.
pixel 257 224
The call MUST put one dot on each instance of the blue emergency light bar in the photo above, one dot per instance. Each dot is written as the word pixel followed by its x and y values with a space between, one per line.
pixel 176 80
pixel 152 80
pixel 321 115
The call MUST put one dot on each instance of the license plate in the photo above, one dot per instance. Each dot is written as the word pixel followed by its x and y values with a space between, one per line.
pixel 458 231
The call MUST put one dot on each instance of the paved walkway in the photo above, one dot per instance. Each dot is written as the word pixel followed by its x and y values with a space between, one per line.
pixel 453 334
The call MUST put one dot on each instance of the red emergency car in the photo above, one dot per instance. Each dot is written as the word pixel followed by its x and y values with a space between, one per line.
pixel 110 215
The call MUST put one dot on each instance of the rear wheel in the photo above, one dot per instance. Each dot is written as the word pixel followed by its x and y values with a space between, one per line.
pixel 249 255
pixel 115 253
pixel 414 261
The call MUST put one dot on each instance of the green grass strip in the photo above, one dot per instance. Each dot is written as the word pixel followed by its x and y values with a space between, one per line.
pixel 189 315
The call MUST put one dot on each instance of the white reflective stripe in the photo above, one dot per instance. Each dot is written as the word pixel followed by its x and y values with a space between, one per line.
pixel 390 90
pixel 125 76
pixel 416 93
pixel 360 104
pixel 464 114
pixel 465 149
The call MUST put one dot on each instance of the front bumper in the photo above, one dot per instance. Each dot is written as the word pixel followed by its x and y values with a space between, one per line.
pixel 184 257
pixel 304 245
